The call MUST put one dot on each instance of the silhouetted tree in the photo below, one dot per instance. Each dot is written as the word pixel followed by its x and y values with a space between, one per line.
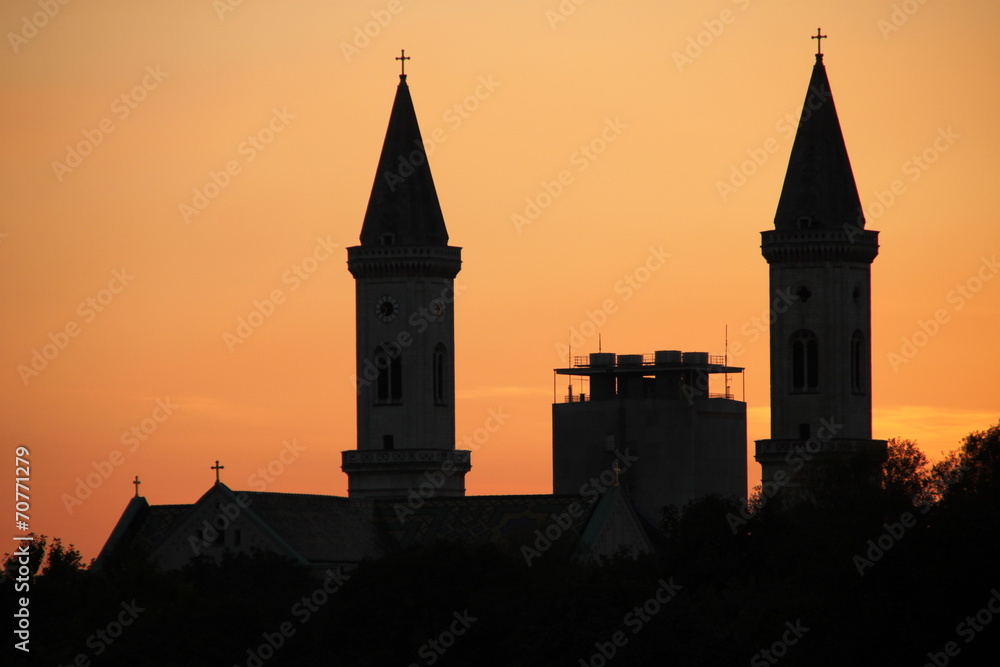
pixel 931 532
pixel 905 474
pixel 36 555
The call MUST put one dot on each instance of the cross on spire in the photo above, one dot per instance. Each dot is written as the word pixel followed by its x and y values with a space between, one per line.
pixel 818 36
pixel 402 57
pixel 217 468
pixel 137 483
pixel 618 469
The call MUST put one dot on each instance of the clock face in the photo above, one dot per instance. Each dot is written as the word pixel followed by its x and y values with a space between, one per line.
pixel 386 308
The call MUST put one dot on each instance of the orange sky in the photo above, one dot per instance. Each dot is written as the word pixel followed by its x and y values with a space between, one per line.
pixel 133 281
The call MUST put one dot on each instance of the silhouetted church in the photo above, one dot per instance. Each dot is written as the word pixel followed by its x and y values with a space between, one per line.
pixel 647 433
pixel 820 255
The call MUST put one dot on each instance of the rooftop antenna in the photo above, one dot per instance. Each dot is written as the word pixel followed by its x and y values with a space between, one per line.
pixel 726 361
pixel 569 378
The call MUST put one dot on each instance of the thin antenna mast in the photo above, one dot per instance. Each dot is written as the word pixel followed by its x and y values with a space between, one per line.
pixel 726 361
pixel 569 364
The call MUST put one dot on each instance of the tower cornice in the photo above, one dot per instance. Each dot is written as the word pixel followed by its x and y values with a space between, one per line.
pixel 392 261
pixel 848 244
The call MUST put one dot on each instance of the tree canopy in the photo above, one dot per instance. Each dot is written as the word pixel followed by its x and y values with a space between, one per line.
pixel 901 574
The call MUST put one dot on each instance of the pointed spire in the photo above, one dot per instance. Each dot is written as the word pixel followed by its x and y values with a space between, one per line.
pixel 403 208
pixel 819 189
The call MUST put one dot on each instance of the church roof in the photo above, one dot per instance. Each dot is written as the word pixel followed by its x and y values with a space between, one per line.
pixel 141 525
pixel 510 520
pixel 320 530
pixel 605 532
pixel 819 189
pixel 403 200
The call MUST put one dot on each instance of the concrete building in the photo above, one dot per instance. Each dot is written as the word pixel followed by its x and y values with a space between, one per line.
pixel 819 256
pixel 406 479
pixel 680 440
pixel 640 431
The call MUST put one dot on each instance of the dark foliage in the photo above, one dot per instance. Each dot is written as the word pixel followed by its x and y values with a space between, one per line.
pixel 879 577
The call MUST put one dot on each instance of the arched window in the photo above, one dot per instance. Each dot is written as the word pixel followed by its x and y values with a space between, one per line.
pixel 859 382
pixel 438 371
pixel 389 385
pixel 805 362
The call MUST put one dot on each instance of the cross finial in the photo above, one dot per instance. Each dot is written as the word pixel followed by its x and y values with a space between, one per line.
pixel 617 468
pixel 217 468
pixel 818 36
pixel 137 483
pixel 402 58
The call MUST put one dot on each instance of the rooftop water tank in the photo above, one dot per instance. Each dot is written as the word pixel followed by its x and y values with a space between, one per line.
pixel 696 358
pixel 668 356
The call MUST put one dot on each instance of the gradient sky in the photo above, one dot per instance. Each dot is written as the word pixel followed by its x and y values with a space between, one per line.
pixel 119 112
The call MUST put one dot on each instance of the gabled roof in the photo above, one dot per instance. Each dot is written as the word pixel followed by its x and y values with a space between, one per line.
pixel 502 520
pixel 320 528
pixel 141 525
pixel 317 530
pixel 218 501
pixel 614 523
pixel 403 200
pixel 819 189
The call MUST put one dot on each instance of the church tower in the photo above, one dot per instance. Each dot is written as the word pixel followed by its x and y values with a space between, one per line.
pixel 404 273
pixel 819 256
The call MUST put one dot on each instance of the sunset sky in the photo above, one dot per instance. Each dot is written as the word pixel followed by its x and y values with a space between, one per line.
pixel 173 167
